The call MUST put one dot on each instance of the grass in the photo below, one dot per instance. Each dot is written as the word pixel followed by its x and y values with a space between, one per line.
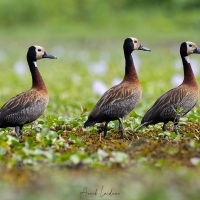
pixel 169 184
pixel 57 154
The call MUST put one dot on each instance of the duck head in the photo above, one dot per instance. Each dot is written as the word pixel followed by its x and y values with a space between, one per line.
pixel 131 44
pixel 37 52
pixel 188 48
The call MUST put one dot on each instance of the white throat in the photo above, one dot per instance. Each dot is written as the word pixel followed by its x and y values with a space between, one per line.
pixel 35 63
pixel 187 59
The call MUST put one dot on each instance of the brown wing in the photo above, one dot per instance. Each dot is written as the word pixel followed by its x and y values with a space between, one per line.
pixel 165 107
pixel 117 99
pixel 25 107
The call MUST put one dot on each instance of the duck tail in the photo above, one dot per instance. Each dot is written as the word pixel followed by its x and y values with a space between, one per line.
pixel 143 124
pixel 89 123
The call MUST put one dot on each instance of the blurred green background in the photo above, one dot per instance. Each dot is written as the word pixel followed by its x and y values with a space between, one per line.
pixel 87 33
pixel 87 36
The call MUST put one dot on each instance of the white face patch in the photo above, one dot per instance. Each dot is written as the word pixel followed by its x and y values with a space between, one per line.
pixel 35 63
pixel 191 47
pixel 187 59
pixel 39 52
pixel 135 42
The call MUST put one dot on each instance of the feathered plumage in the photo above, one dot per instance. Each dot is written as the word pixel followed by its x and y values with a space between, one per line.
pixel 119 100
pixel 26 107
pixel 185 96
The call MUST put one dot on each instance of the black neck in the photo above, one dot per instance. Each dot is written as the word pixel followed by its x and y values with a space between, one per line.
pixel 128 63
pixel 130 72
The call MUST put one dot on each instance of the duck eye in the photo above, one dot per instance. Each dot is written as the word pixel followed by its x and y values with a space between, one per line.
pixel 190 45
pixel 39 49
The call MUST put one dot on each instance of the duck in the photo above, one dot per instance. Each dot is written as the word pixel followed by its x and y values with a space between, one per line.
pixel 121 99
pixel 27 106
pixel 178 101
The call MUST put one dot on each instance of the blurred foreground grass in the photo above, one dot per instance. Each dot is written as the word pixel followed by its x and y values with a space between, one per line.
pixel 133 184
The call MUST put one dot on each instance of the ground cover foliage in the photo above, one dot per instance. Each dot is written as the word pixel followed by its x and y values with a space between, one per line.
pixel 56 153
pixel 63 142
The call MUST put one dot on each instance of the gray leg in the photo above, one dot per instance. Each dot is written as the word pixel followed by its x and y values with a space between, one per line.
pixel 18 131
pixel 105 129
pixel 164 128
pixel 121 128
pixel 21 134
pixel 176 128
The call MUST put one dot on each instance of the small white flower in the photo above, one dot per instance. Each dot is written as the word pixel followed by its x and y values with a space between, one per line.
pixel 100 67
pixel 99 87
pixel 20 67
pixel 176 79
pixel 116 81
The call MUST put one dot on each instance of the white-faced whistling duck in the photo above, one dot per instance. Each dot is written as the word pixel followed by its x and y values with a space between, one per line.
pixel 26 107
pixel 119 100
pixel 178 101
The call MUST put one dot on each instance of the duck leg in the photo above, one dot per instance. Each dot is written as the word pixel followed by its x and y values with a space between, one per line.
pixel 121 128
pixel 176 128
pixel 105 129
pixel 164 128
pixel 18 132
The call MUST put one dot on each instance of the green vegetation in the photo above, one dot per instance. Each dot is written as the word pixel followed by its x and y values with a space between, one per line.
pixel 56 153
